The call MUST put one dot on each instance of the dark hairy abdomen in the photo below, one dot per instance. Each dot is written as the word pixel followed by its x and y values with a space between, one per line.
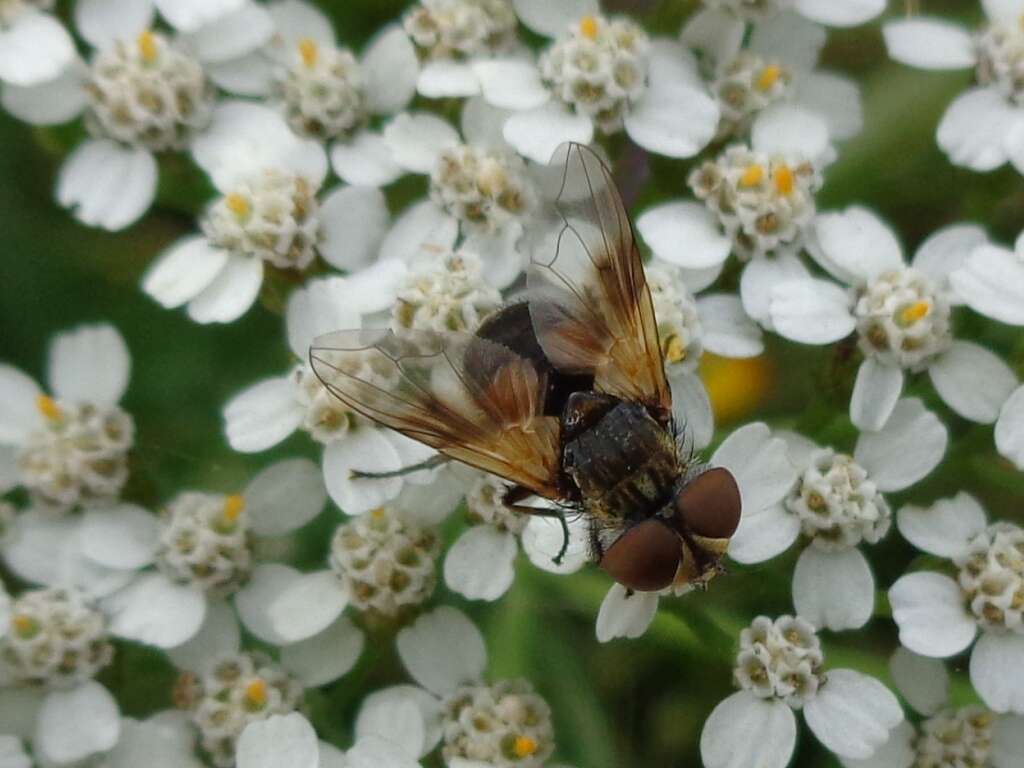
pixel 625 465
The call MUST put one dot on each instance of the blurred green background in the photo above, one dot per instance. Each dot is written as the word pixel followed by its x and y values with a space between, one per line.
pixel 627 703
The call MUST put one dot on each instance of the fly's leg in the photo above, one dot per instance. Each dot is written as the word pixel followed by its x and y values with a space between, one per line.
pixel 433 461
pixel 518 493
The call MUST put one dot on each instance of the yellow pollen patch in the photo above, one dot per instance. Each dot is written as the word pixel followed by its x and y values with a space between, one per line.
pixel 23 625
pixel 752 176
pixel 783 179
pixel 256 693
pixel 48 407
pixel 674 349
pixel 308 51
pixel 238 205
pixel 233 506
pixel 913 313
pixel 735 387
pixel 588 27
pixel 524 746
pixel 769 76
pixel 147 46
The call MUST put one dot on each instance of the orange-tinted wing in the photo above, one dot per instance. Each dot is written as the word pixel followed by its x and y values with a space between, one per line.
pixel 589 300
pixel 473 400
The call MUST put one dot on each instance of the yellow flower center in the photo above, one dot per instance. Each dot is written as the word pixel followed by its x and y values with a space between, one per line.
pixel 233 506
pixel 24 626
pixel 783 179
pixel 752 176
pixel 911 314
pixel 768 77
pixel 238 205
pixel 588 27
pixel 256 693
pixel 48 407
pixel 524 746
pixel 147 46
pixel 309 52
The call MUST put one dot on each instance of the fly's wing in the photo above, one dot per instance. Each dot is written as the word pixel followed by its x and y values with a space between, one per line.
pixel 473 400
pixel 589 300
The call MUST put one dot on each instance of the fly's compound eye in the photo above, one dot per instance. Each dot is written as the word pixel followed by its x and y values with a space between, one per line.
pixel 645 558
pixel 709 505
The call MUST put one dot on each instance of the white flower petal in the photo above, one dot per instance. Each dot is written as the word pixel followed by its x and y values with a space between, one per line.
pixel 51 102
pixel 19 708
pixel 717 34
pixel 972 381
pixel 768 729
pixel 924 682
pixel 442 650
pixel 929 43
pixel 811 311
pixel 759 279
pixel 10 473
pixel 991 282
pixel 857 244
pixel 997 671
pixel 944 528
pixel 162 741
pixel 390 69
pixel 670 63
pixel 323 306
pixel 296 19
pixel 19 416
pixel 503 261
pixel 123 536
pixel 835 98
pixel 367 450
pixel 219 636
pixel 1007 742
pixel 760 465
pixel 684 234
pixel 947 250
pixel 34 49
pixel 254 600
pixel 1010 429
pixel 974 129
pixel 232 35
pixel 511 83
pixel 790 39
pixel 107 185
pixel 852 714
pixel 307 606
pixel 383 707
pixel 183 271
pixel 691 407
pixel 625 614
pixel 480 564
pixel 673 120
pixel 89 364
pixel 12 753
pixel 537 133
pixel 187 15
pixel 789 129
pixel 907 449
pixel 37 546
pixel 156 611
pixel 249 75
pixel 833 590
pixel 262 415
pixel 278 741
pixel 840 13
pixel 103 22
pixel 1002 10
pixel 284 497
pixel 446 78
pixel 764 534
pixel 375 752
pixel 481 123
pixel 875 393
pixel 354 221
pixel 423 228
pixel 231 293
pixel 74 724
pixel 552 18
pixel 543 539
pixel 325 657
pixel 728 331
pixel 929 610
pixel 364 159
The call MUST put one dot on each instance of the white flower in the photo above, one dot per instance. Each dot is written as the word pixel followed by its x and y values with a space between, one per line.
pixel 57 641
pixel 34 46
pixel 142 93
pixel 984 127
pixel 837 504
pixel 779 669
pixel 836 13
pixel 69 447
pixel 598 72
pixel 479 188
pixel 968 735
pixel 775 63
pixel 901 314
pixel 445 654
pixel 1010 428
pixel 764 475
pixel 991 281
pixel 939 616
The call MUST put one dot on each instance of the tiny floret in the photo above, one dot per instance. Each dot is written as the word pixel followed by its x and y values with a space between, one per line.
pixel 780 659
pixel 322 90
pixel 447 294
pixel 445 29
pixel 992 577
pixel 485 189
pixel 679 327
pixel 960 737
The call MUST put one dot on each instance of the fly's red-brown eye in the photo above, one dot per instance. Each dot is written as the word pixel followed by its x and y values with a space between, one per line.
pixel 644 558
pixel 709 505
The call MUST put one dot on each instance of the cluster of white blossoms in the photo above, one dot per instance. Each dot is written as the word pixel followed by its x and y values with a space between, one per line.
pixel 398 186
